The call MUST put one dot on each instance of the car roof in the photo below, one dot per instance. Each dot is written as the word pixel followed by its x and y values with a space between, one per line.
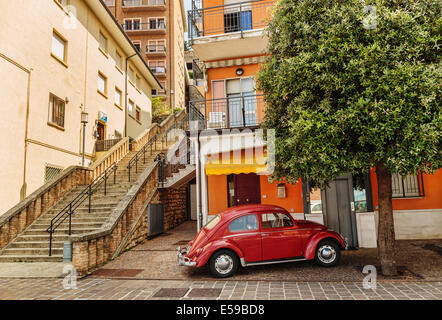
pixel 251 208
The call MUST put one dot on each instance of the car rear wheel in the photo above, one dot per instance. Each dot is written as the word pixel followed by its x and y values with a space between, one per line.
pixel 327 253
pixel 223 264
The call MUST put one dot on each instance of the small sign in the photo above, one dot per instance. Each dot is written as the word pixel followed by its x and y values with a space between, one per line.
pixel 102 116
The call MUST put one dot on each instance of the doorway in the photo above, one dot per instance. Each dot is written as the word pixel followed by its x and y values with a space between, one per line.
pixel 339 207
pixel 101 131
pixel 243 189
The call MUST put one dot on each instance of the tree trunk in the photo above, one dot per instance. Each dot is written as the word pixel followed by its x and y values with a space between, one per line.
pixel 386 237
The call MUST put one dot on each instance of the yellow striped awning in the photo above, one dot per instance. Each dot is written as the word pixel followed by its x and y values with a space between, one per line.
pixel 236 162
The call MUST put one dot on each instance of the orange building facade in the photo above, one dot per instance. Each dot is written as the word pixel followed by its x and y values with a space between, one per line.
pixel 228 37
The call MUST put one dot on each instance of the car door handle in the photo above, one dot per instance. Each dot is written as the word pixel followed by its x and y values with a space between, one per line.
pixel 265 234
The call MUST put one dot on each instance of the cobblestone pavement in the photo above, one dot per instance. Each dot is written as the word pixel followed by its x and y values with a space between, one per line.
pixel 112 289
pixel 155 259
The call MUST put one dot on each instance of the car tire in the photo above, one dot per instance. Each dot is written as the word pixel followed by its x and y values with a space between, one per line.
pixel 224 263
pixel 328 253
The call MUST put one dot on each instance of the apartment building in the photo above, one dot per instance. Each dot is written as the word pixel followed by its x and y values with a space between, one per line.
pixel 60 63
pixel 227 36
pixel 156 27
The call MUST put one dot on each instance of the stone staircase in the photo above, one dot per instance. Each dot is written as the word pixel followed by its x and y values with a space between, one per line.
pixel 32 245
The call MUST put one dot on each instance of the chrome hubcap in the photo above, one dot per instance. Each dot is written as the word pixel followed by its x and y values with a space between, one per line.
pixel 326 254
pixel 224 264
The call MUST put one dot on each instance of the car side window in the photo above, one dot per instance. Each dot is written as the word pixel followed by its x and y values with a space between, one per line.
pixel 244 223
pixel 275 220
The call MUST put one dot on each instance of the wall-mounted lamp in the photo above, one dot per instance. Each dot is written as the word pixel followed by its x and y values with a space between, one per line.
pixel 239 71
pixel 66 100
pixel 84 119
pixel 281 190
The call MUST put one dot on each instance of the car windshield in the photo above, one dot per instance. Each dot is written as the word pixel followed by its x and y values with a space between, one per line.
pixel 212 223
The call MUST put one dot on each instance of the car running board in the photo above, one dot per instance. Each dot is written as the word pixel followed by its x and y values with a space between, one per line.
pixel 248 264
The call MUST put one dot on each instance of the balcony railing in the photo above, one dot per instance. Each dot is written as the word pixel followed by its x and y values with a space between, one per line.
pixel 155 48
pixel 109 3
pixel 144 26
pixel 157 68
pixel 237 17
pixel 236 111
pixel 143 3
pixel 105 145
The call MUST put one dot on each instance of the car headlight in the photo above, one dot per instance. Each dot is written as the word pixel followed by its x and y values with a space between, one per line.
pixel 199 251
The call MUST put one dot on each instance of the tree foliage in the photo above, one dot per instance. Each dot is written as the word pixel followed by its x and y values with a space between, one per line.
pixel 344 98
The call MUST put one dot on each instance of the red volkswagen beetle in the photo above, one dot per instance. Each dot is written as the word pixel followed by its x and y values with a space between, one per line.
pixel 259 234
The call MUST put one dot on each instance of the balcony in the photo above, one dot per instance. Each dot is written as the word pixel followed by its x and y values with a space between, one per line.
pixel 158 69
pixel 152 27
pixel 136 5
pixel 109 3
pixel 155 50
pixel 239 111
pixel 229 30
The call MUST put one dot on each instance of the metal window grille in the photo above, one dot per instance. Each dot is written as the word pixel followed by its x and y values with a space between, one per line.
pixel 407 187
pixel 51 173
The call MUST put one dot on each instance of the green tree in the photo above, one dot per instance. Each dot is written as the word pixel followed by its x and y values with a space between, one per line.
pixel 347 91
pixel 160 110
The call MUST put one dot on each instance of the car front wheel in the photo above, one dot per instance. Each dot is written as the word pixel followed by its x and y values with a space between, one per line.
pixel 327 253
pixel 223 264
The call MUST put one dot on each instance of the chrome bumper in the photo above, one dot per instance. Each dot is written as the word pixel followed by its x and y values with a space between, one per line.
pixel 345 243
pixel 183 260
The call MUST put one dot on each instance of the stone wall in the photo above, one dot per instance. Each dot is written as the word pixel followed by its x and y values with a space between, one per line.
pixel 174 201
pixel 19 217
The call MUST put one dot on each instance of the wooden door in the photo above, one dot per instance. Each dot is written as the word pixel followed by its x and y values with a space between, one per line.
pixel 100 130
pixel 247 190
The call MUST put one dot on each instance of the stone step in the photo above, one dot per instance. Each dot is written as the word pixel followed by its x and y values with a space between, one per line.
pixel 54 212
pixel 31 251
pixel 31 258
pixel 35 244
pixel 74 225
pixel 75 218
pixel 33 238
pixel 60 230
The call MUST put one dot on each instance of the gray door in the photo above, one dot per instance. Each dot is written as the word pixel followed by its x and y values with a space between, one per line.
pixel 193 211
pixel 339 210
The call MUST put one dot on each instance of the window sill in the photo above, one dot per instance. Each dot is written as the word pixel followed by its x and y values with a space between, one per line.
pixel 103 94
pixel 56 126
pixel 61 7
pixel 104 52
pixel 132 83
pixel 59 60
pixel 139 91
pixel 119 107
pixel 119 69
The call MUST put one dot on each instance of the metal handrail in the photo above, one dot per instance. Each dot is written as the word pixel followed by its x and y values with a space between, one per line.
pixel 69 209
pixel 167 169
pixel 141 154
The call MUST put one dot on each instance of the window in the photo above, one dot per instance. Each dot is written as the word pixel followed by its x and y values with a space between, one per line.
pixel 156 46
pixel 131 74
pixel 245 223
pixel 118 95
pixel 102 42
pixel 157 23
pixel 118 60
pixel 51 172
pixel 137 45
pixel 102 84
pixel 138 113
pixel 132 24
pixel 408 186
pixel 275 220
pixel 138 81
pixel 59 47
pixel 56 110
pixel 212 223
pixel 131 107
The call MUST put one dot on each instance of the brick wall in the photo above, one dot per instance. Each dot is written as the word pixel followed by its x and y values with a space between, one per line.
pixel 174 201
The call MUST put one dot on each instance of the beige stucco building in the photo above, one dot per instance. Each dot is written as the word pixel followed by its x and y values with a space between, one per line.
pixel 59 58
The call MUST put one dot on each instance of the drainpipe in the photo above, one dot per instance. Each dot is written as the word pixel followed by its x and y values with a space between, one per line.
pixel 125 96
